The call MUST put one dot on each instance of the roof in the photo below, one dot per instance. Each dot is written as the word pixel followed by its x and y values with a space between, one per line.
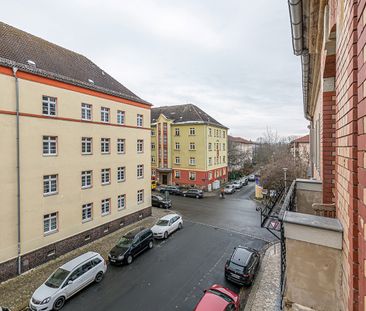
pixel 241 256
pixel 240 140
pixel 132 233
pixel 187 113
pixel 303 139
pixel 17 48
pixel 169 216
pixel 70 265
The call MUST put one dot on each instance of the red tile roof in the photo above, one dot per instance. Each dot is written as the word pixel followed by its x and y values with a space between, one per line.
pixel 303 139
pixel 240 140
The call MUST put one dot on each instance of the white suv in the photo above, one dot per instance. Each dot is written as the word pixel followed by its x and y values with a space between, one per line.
pixel 67 281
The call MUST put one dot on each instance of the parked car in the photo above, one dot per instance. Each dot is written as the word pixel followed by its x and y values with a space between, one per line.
pixel 218 298
pixel 131 245
pixel 229 189
pixel 193 193
pixel 251 177
pixel 172 190
pixel 242 266
pixel 160 201
pixel 237 184
pixel 244 181
pixel 67 281
pixel 167 225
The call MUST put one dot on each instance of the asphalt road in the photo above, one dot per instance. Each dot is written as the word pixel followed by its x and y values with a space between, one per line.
pixel 173 275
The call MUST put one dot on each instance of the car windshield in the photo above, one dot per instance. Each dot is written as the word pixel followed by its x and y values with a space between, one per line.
pixel 57 278
pixel 235 267
pixel 220 294
pixel 160 198
pixel 124 241
pixel 162 222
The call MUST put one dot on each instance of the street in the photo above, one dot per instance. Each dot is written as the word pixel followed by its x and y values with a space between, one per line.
pixel 173 275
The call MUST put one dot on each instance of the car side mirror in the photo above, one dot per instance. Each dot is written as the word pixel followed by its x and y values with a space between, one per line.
pixel 70 282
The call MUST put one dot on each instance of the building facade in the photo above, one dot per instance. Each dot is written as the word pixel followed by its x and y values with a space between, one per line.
pixel 241 151
pixel 188 147
pixel 300 148
pixel 330 38
pixel 83 144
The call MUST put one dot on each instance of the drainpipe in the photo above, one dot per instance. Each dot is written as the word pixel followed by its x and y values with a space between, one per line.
pixel 15 69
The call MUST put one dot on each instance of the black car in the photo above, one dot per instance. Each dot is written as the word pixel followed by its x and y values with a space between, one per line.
pixel 193 193
pixel 131 245
pixel 242 266
pixel 160 201
pixel 172 190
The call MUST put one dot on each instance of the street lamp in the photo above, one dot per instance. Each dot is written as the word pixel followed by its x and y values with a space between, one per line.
pixel 285 176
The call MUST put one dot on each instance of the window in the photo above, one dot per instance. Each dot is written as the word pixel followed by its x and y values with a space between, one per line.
pixel 121 201
pixel 106 206
pixel 177 132
pixel 177 146
pixel 223 146
pixel 177 160
pixel 140 146
pixel 140 120
pixel 104 145
pixel 50 223
pixel 153 160
pixel 153 172
pixel 120 145
pixel 224 171
pixel 120 117
pixel 86 111
pixel 210 161
pixel 140 196
pixel 104 114
pixel 223 134
pixel 86 145
pixel 209 146
pixel 192 131
pixel 106 176
pixel 152 132
pixel 49 105
pixel 140 171
pixel 224 159
pixel 86 179
pixel 152 146
pixel 209 131
pixel 86 212
pixel 192 175
pixel 192 146
pixel 209 175
pixel 177 174
pixel 121 174
pixel 192 161
pixel 49 145
pixel 49 184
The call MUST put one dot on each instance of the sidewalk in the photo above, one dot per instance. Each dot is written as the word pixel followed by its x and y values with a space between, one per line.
pixel 15 293
pixel 265 292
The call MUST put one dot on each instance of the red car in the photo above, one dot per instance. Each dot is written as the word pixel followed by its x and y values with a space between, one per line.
pixel 218 298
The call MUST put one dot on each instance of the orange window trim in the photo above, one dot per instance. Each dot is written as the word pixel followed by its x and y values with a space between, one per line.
pixel 70 87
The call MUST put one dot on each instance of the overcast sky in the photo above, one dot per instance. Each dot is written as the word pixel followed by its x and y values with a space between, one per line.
pixel 232 58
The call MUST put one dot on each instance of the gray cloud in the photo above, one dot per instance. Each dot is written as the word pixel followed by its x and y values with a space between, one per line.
pixel 232 58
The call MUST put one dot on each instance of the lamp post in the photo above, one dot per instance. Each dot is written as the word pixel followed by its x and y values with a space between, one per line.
pixel 285 177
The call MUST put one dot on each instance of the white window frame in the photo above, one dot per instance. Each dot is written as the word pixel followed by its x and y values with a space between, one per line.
pixel 50 182
pixel 86 179
pixel 87 212
pixel 210 132
pixel 140 120
pixel 121 174
pixel 177 174
pixel 105 147
pixel 104 114
pixel 121 115
pixel 105 176
pixel 192 146
pixel 86 143
pixel 86 112
pixel 140 146
pixel 153 133
pixel 49 145
pixel 177 145
pixel 140 196
pixel 121 202
pixel 177 131
pixel 49 106
pixel 153 159
pixel 177 158
pixel 140 171
pixel 210 161
pixel 153 146
pixel 192 131
pixel 192 175
pixel 105 207
pixel 209 175
pixel 192 161
pixel 51 222
pixel 121 145
pixel 209 146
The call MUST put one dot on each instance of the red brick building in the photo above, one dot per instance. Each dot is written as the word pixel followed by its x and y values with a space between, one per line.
pixel 330 37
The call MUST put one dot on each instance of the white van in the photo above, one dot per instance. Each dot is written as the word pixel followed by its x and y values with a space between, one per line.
pixel 67 281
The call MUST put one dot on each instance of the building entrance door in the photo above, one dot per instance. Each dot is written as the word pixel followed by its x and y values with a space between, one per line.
pixel 165 179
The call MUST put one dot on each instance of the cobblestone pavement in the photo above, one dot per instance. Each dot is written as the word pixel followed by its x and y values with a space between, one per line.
pixel 265 293
pixel 15 293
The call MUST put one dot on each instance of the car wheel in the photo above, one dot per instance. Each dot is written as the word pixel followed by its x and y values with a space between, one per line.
pixel 99 277
pixel 184 195
pixel 151 244
pixel 180 226
pixel 59 303
pixel 197 196
pixel 161 205
pixel 129 259
pixel 166 235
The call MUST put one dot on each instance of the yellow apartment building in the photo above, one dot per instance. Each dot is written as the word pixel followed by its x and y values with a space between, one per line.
pixel 75 152
pixel 188 147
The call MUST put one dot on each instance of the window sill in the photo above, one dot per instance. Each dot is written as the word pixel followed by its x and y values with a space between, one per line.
pixel 50 232
pixel 105 153
pixel 121 208
pixel 50 155
pixel 121 152
pixel 50 194
pixel 106 214
pixel 88 120
pixel 86 187
pixel 139 203
pixel 140 177
pixel 106 184
pixel 85 153
pixel 86 220
pixel 123 180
